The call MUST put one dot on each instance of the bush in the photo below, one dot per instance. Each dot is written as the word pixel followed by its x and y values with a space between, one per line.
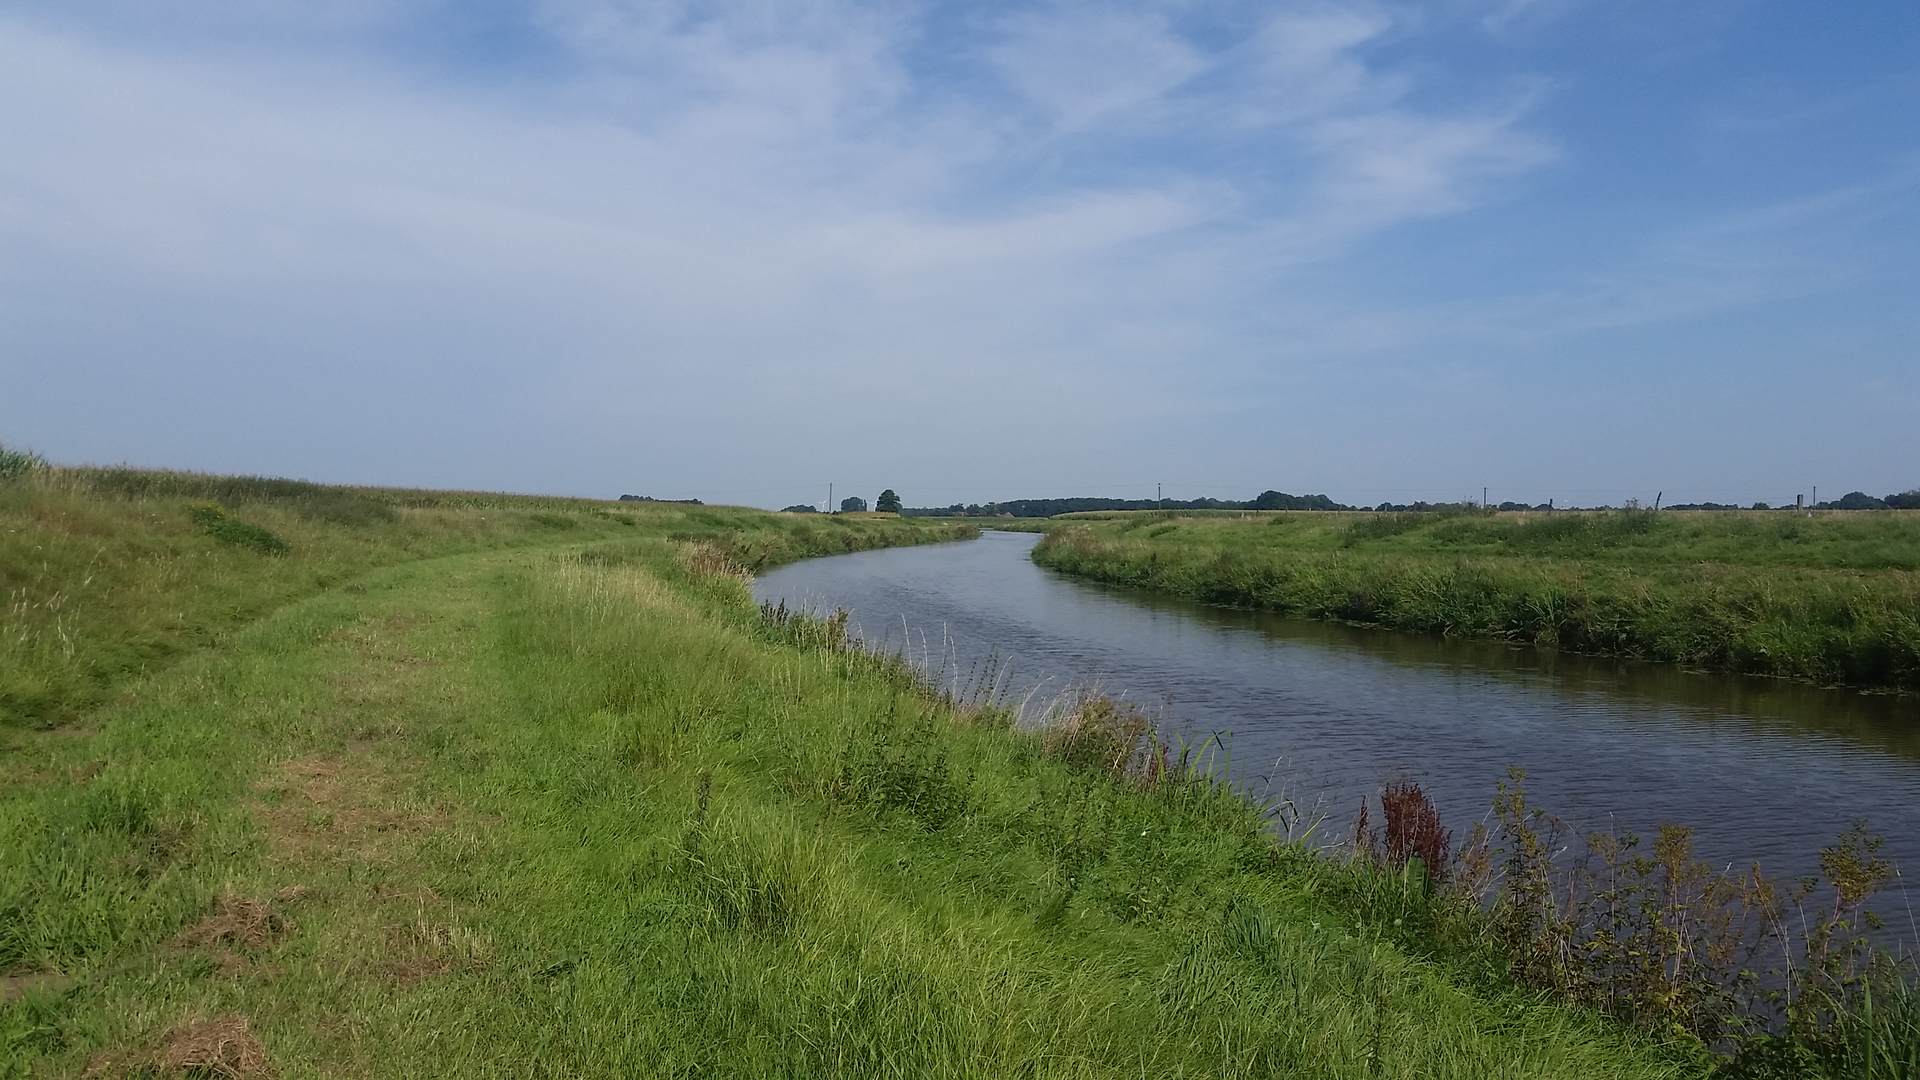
pixel 213 521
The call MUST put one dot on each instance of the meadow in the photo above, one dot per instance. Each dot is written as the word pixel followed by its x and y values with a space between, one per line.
pixel 1832 598
pixel 302 781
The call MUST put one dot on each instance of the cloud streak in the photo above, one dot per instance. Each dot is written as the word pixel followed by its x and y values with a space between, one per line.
pixel 682 238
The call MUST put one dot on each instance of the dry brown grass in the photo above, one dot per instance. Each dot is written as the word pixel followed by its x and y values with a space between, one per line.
pixel 702 557
pixel 221 1046
pixel 237 922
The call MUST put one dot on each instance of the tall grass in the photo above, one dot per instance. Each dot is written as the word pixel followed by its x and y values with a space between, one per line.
pixel 105 573
pixel 1778 979
pixel 1624 584
pixel 16 463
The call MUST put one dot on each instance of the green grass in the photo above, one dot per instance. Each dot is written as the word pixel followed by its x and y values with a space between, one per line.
pixel 107 573
pixel 461 791
pixel 1833 598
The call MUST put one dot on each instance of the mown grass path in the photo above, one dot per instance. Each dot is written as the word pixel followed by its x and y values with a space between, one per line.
pixel 537 813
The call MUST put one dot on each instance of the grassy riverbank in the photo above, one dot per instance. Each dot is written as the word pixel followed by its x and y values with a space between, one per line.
pixel 107 573
pixel 1833 598
pixel 461 784
pixel 376 783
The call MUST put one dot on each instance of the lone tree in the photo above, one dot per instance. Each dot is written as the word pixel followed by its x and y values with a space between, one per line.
pixel 888 502
pixel 852 504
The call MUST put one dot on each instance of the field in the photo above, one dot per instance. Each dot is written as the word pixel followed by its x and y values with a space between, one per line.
pixel 303 781
pixel 1832 598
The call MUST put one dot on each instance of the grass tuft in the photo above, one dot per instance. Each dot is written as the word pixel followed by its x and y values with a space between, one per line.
pixel 215 523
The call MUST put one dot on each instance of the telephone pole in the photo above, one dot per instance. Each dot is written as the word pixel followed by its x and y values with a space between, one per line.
pixel 829 496
pixel 1157 497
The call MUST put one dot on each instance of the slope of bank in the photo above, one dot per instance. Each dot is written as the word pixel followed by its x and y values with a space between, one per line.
pixel 582 810
pixel 107 573
pixel 1831 600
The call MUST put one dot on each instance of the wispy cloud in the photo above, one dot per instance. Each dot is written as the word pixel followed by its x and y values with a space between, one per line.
pixel 661 228
pixel 1084 66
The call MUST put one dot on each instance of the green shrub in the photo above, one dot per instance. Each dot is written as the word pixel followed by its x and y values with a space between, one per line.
pixel 215 523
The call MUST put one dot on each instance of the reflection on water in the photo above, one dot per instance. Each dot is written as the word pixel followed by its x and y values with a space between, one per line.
pixel 1765 770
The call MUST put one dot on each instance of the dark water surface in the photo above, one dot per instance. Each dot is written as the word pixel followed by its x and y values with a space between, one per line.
pixel 1763 769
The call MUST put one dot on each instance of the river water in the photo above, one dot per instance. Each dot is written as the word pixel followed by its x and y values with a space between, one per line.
pixel 1323 714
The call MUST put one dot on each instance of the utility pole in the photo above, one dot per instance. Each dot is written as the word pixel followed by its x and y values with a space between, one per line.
pixel 1159 498
pixel 829 496
pixel 1483 497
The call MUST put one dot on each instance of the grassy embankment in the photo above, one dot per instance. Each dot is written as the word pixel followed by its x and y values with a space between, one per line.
pixel 109 572
pixel 1833 598
pixel 334 782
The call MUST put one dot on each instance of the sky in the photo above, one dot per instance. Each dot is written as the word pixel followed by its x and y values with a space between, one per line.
pixel 1585 250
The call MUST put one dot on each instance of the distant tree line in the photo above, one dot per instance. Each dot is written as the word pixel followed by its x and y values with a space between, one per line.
pixel 1280 500
pixel 1024 508
pixel 1860 500
pixel 887 503
pixel 1852 500
pixel 651 499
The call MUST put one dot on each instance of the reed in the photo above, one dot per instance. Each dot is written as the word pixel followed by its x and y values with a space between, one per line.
pixel 1833 600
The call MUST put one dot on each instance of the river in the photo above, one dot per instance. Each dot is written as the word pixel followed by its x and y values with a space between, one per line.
pixel 1322 714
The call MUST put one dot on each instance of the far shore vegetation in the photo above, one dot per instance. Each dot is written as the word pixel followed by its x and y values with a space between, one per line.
pixel 1832 598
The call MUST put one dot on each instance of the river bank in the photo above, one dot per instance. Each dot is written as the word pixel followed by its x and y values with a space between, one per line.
pixel 1832 600
pixel 1326 713
pixel 979 613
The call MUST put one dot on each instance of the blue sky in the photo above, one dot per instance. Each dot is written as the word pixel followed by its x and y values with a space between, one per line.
pixel 1561 248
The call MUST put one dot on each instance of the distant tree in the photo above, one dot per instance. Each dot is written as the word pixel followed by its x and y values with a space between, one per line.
pixel 1761 506
pixel 800 508
pixel 852 504
pixel 1906 500
pixel 888 502
pixel 1854 500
